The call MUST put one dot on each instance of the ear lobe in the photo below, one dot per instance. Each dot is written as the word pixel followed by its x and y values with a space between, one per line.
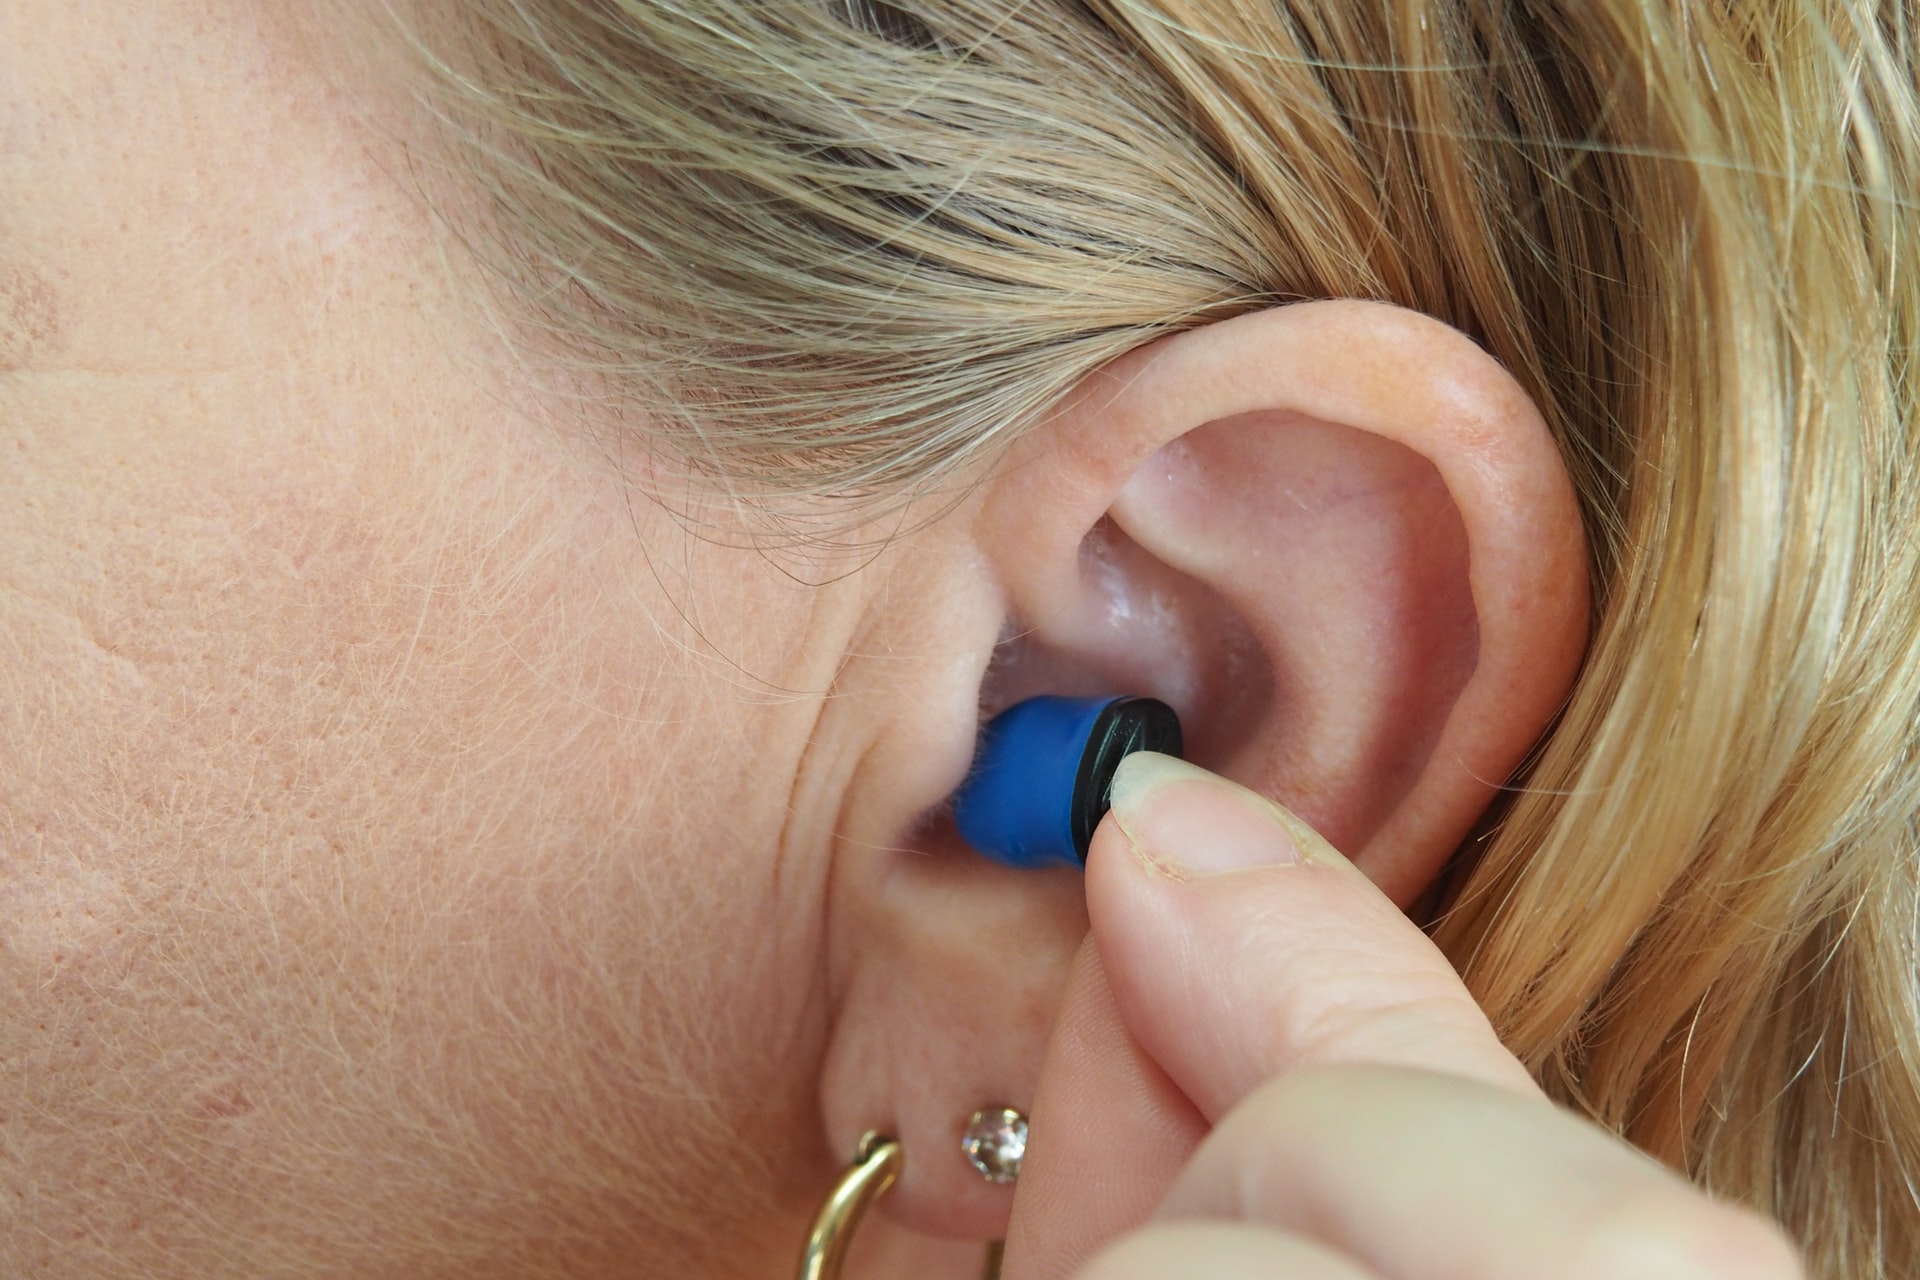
pixel 946 1008
pixel 1348 552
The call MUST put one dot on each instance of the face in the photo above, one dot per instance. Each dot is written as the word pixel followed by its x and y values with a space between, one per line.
pixel 412 834
pixel 435 841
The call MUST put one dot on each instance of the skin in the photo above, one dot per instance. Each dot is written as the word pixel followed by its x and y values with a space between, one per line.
pixel 429 852
pixel 340 691
pixel 1311 1092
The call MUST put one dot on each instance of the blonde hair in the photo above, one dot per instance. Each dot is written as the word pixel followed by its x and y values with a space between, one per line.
pixel 853 249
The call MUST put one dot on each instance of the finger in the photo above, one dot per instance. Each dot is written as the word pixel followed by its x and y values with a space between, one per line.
pixel 1108 1134
pixel 1239 945
pixel 1219 1251
pixel 1362 1098
pixel 1424 1176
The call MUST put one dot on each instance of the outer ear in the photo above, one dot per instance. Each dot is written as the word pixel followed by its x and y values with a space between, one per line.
pixel 1338 537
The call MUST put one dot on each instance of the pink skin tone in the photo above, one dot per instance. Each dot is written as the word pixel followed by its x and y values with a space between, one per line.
pixel 351 893
pixel 1311 1092
pixel 424 856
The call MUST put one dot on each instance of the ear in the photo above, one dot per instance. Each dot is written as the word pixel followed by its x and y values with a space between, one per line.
pixel 1339 539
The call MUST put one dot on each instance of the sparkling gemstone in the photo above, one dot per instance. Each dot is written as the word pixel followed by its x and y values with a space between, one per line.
pixel 995 1142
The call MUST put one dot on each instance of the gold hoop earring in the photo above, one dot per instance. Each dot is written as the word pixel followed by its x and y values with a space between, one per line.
pixel 875 1167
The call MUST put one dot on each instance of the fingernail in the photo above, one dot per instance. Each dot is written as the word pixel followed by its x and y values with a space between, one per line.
pixel 1188 823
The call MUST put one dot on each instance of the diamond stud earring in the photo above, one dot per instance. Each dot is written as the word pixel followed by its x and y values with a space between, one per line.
pixel 995 1141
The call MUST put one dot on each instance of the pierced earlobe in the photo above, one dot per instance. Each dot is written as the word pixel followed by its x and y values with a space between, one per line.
pixel 994 1143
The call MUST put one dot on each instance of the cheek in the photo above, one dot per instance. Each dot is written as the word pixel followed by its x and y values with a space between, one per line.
pixel 352 857
pixel 387 832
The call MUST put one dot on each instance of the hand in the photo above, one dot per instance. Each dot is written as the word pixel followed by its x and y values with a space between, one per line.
pixel 1262 1060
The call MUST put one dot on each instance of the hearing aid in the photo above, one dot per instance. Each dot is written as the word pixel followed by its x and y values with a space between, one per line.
pixel 1042 776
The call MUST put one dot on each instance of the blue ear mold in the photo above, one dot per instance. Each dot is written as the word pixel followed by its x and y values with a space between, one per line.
pixel 1043 775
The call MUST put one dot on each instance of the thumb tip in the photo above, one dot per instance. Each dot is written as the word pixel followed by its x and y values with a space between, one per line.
pixel 1187 823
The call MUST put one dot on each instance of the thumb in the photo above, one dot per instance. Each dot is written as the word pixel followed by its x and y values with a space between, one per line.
pixel 1239 944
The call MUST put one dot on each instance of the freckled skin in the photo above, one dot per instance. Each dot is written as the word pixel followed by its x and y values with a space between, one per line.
pixel 412 841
